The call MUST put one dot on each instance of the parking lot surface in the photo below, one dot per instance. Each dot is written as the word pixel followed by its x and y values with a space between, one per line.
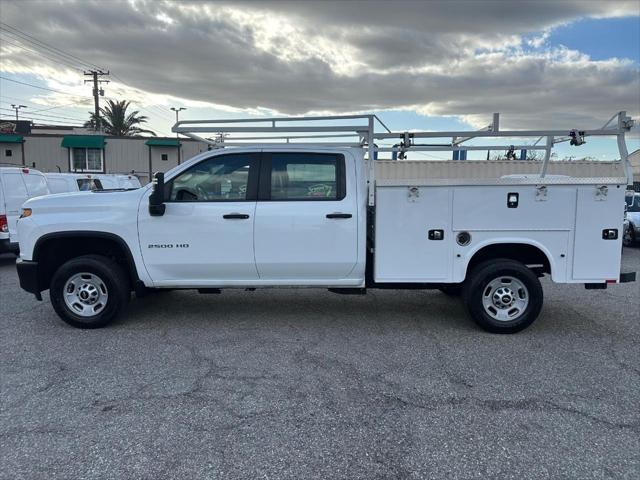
pixel 309 384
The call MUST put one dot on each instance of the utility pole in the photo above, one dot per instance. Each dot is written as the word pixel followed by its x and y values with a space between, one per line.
pixel 16 108
pixel 97 92
pixel 178 110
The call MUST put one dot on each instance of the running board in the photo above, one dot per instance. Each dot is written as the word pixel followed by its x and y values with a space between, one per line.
pixel 348 291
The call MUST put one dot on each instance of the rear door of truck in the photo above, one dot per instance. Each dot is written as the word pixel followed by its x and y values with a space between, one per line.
pixel 306 223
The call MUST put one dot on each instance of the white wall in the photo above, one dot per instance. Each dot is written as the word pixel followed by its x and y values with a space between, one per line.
pixel 16 153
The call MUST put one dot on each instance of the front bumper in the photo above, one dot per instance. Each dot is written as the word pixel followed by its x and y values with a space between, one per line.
pixel 29 278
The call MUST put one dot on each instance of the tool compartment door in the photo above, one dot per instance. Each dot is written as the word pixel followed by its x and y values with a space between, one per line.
pixel 595 258
pixel 404 251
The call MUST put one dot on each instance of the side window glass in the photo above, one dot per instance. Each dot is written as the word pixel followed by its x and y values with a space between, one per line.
pixel 88 184
pixel 223 178
pixel 36 185
pixel 305 176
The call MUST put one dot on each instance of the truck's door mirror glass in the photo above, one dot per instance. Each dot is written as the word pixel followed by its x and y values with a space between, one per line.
pixel 156 199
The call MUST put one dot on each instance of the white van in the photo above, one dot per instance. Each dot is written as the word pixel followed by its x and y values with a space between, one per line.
pixel 72 182
pixel 84 182
pixel 17 185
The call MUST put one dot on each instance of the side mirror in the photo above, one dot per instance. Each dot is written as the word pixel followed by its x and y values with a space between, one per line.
pixel 156 199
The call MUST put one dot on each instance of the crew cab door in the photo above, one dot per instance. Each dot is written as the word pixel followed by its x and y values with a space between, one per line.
pixel 205 236
pixel 306 224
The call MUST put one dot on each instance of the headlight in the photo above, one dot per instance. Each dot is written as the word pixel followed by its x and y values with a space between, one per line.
pixel 26 212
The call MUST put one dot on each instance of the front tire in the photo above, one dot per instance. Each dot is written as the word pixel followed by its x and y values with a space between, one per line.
pixel 503 296
pixel 89 291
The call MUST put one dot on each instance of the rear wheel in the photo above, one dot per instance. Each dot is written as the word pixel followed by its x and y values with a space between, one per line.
pixel 89 291
pixel 503 296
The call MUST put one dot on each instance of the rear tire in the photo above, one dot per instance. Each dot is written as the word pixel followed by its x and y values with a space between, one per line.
pixel 503 296
pixel 629 237
pixel 89 291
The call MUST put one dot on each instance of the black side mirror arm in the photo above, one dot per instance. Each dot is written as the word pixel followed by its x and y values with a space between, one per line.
pixel 156 199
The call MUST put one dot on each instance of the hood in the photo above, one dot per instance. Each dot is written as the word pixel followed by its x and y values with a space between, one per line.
pixel 86 201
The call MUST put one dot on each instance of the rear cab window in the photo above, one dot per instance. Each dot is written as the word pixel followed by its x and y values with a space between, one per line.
pixel 303 176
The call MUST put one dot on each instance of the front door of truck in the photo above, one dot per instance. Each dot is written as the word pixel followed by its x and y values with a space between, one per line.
pixel 306 226
pixel 205 236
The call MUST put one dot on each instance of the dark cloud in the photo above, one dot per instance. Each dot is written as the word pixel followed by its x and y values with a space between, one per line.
pixel 348 56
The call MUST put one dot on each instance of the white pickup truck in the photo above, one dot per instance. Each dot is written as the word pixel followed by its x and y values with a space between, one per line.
pixel 273 214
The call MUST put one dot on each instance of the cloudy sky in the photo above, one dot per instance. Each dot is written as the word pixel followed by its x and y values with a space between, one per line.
pixel 419 64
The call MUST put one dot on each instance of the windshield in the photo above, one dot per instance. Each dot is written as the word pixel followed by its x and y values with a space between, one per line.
pixel 633 203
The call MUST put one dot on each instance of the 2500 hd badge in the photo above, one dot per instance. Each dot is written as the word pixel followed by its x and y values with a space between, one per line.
pixel 168 245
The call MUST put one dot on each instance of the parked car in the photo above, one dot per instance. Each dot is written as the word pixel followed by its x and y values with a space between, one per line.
pixel 84 182
pixel 632 222
pixel 17 185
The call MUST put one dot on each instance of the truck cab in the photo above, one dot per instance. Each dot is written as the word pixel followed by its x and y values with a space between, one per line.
pixel 307 208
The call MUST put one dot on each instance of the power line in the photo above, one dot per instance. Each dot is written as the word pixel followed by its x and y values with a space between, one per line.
pixel 41 88
pixel 57 106
pixel 35 105
pixel 33 40
pixel 24 47
pixel 48 115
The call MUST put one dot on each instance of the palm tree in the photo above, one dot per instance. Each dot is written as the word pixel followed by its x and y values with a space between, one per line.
pixel 115 120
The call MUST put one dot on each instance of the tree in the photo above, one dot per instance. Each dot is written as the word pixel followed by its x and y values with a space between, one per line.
pixel 115 120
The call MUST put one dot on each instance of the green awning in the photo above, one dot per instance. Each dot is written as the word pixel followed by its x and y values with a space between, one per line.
pixel 11 139
pixel 163 142
pixel 83 141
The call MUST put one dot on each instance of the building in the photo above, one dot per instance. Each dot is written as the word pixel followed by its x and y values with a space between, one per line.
pixel 70 149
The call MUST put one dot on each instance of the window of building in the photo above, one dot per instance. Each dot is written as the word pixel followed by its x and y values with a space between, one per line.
pixel 165 156
pixel 8 152
pixel 307 176
pixel 87 159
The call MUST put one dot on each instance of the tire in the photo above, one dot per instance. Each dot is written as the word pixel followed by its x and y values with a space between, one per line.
pixel 452 289
pixel 503 296
pixel 89 291
pixel 629 236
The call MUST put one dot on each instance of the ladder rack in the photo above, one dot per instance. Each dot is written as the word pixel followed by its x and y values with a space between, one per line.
pixel 359 131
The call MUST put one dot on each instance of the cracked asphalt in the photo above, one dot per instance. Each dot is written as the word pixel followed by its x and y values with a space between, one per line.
pixel 306 384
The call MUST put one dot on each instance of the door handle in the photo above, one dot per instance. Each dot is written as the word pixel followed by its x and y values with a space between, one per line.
pixel 339 215
pixel 237 216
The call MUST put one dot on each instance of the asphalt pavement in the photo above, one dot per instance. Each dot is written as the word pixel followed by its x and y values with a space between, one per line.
pixel 306 384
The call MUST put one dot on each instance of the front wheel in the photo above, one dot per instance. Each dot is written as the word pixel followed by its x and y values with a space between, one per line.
pixel 503 296
pixel 89 291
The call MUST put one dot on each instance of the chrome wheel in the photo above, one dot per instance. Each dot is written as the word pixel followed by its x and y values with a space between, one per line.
pixel 505 298
pixel 85 294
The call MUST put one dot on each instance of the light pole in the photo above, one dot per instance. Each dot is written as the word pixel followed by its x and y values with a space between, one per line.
pixel 178 110
pixel 16 108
